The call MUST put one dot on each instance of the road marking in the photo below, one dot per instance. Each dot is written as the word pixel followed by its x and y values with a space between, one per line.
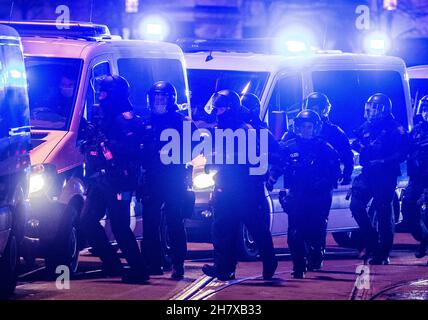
pixel 205 287
pixel 31 272
pixel 193 288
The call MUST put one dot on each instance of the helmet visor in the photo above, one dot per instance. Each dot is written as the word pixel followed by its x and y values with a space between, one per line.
pixel 372 110
pixel 159 103
pixel 213 104
pixel 305 129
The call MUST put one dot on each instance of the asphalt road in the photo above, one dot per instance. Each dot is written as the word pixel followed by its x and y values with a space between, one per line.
pixel 343 277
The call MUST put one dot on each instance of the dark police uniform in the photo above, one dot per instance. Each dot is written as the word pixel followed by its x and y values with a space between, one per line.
pixel 337 138
pixel 382 145
pixel 164 189
pixel 311 170
pixel 332 133
pixel 238 199
pixel 112 155
pixel 417 169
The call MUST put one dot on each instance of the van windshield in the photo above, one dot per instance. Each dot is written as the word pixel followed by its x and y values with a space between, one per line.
pixel 203 83
pixel 52 90
pixel 141 73
pixel 348 92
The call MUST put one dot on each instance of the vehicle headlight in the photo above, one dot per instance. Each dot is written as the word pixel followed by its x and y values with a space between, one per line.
pixel 37 182
pixel 41 178
pixel 204 180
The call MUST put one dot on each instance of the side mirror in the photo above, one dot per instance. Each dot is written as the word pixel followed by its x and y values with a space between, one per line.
pixel 278 123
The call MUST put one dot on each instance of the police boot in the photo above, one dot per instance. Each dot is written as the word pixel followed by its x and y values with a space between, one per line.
pixel 379 261
pixel 155 271
pixel 422 250
pixel 112 271
pixel 212 271
pixel 177 272
pixel 269 269
pixel 134 277
pixel 315 260
pixel 298 274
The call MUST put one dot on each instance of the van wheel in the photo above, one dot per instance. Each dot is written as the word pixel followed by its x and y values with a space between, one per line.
pixel 349 239
pixel 8 267
pixel 246 246
pixel 64 250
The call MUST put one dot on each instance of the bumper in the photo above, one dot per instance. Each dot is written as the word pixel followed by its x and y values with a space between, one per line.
pixel 43 224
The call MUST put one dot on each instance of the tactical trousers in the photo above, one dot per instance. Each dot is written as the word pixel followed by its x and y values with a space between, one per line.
pixel 160 202
pixel 378 231
pixel 307 227
pixel 231 210
pixel 412 211
pixel 102 199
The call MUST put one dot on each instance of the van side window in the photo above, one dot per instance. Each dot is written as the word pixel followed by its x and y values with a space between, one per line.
pixel 141 73
pixel 97 74
pixel 348 92
pixel 285 103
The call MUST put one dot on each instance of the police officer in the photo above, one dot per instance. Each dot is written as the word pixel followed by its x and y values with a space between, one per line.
pixel 250 107
pixel 238 199
pixel 165 185
pixel 382 145
pixel 250 114
pixel 332 133
pixel 311 170
pixel 417 169
pixel 112 154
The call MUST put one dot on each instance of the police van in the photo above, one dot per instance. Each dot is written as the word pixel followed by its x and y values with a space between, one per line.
pixel 14 155
pixel 282 81
pixel 65 64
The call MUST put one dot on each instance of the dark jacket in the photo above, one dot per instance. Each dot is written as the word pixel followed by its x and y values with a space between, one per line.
pixel 113 149
pixel 334 135
pixel 382 145
pixel 153 149
pixel 309 166
pixel 417 164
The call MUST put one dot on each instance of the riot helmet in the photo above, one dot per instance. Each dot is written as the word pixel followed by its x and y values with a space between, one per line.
pixel 114 95
pixel 319 103
pixel 223 102
pixel 251 102
pixel 423 108
pixel 377 106
pixel 307 124
pixel 162 98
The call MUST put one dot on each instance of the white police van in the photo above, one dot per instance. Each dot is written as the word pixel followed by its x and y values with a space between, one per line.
pixel 64 66
pixel 14 155
pixel 282 81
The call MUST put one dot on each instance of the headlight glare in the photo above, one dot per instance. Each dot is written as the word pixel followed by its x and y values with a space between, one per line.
pixel 37 182
pixel 204 180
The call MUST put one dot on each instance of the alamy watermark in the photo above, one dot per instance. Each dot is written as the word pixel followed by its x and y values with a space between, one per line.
pixel 63 280
pixel 219 146
pixel 363 279
pixel 63 19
